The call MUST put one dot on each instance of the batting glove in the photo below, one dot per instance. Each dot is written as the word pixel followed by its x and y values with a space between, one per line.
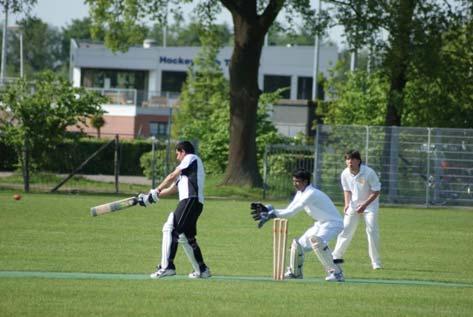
pixel 153 196
pixel 149 198
pixel 143 200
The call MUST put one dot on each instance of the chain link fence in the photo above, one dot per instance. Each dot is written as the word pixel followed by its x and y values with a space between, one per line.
pixel 426 166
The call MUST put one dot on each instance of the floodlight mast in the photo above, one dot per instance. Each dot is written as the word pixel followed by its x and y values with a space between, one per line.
pixel 316 58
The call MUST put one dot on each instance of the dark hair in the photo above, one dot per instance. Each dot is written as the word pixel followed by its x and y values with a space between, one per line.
pixel 185 146
pixel 302 174
pixel 353 154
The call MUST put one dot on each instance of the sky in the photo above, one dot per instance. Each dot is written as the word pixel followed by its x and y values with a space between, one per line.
pixel 57 12
pixel 60 13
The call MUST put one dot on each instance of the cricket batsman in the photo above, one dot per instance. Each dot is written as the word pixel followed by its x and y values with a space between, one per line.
pixel 181 226
pixel 328 224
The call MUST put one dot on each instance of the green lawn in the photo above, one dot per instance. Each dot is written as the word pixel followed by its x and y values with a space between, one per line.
pixel 426 254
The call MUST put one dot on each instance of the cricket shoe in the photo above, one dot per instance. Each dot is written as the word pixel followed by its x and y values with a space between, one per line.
pixel 377 266
pixel 291 276
pixel 204 274
pixel 160 273
pixel 335 277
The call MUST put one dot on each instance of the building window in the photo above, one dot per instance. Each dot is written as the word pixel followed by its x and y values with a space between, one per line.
pixel 275 82
pixel 158 129
pixel 113 78
pixel 304 88
pixel 172 81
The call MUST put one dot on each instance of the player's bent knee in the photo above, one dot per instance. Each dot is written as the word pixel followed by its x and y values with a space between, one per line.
pixel 316 241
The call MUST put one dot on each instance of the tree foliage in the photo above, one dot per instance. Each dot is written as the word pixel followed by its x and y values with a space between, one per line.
pixel 36 117
pixel 408 36
pixel 41 47
pixel 436 92
pixel 182 34
pixel 359 99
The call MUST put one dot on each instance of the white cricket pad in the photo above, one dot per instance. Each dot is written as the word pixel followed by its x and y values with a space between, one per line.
pixel 167 240
pixel 296 260
pixel 189 252
pixel 324 254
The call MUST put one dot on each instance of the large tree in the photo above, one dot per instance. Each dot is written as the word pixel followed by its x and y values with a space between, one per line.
pixel 124 23
pixel 406 35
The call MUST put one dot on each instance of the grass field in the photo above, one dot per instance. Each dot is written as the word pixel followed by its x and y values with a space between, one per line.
pixel 57 260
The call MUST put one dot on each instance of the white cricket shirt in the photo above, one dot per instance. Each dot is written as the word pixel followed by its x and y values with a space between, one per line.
pixel 361 185
pixel 315 203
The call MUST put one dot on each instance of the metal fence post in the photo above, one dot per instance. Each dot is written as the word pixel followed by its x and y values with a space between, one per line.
pixel 393 164
pixel 153 162
pixel 265 169
pixel 316 156
pixel 26 167
pixel 116 163
pixel 168 156
pixel 427 191
pixel 367 140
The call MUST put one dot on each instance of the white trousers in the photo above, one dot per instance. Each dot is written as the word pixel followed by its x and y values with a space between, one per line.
pixel 350 223
pixel 326 231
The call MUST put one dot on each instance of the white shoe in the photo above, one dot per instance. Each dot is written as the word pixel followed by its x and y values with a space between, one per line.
pixel 160 273
pixel 335 277
pixel 291 276
pixel 204 274
pixel 377 266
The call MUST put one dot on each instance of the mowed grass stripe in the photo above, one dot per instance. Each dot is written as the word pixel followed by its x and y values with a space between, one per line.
pixel 119 276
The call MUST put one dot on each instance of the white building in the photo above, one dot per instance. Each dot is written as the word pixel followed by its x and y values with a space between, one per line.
pixel 144 83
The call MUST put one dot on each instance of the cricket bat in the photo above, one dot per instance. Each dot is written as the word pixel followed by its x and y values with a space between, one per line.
pixel 114 206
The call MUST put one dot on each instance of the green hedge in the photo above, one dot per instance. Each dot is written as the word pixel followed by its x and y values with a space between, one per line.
pixel 70 154
pixel 7 157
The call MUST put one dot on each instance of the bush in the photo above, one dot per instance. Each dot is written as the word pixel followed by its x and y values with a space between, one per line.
pixel 70 154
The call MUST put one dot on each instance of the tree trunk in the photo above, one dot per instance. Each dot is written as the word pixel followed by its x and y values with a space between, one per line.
pixel 398 61
pixel 244 94
pixel 397 64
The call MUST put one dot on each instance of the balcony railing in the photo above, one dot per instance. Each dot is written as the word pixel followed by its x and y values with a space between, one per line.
pixel 140 98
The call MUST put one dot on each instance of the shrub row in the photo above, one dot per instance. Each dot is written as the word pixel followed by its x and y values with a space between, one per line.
pixel 70 154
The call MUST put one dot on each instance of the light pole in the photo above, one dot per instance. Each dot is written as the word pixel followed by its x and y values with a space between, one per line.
pixel 20 32
pixel 4 45
pixel 316 58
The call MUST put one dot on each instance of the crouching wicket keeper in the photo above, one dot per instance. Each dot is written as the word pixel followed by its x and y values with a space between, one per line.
pixel 328 224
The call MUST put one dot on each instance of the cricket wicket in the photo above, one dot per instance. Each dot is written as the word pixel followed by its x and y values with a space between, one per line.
pixel 279 247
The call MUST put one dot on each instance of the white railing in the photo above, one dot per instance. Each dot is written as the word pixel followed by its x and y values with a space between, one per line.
pixel 140 98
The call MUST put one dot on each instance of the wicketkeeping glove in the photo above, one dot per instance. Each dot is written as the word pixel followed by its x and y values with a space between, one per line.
pixel 149 198
pixel 262 213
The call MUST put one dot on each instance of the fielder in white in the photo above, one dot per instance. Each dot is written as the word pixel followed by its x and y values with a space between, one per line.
pixel 328 224
pixel 361 188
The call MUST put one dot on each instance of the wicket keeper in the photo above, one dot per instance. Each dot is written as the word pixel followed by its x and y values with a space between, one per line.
pixel 328 224
pixel 181 225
